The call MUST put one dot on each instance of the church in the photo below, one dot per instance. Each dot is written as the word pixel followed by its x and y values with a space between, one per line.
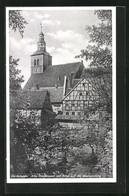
pixel 71 89
pixel 56 79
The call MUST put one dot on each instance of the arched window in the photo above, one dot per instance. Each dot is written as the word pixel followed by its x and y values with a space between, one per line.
pixel 37 61
pixel 34 62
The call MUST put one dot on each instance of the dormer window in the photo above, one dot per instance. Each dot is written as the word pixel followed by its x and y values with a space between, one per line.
pixel 34 62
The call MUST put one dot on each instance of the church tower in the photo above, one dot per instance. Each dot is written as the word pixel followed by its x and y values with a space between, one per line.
pixel 41 58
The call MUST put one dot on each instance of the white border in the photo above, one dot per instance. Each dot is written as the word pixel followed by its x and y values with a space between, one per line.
pixel 62 180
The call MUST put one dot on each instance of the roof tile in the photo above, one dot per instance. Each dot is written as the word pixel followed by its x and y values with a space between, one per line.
pixel 30 99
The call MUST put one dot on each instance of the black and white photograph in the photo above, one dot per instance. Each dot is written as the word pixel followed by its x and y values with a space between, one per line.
pixel 61 94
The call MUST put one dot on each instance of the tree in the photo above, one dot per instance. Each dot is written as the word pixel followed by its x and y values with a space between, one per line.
pixel 99 50
pixel 17 21
pixel 15 79
pixel 98 130
pixel 24 140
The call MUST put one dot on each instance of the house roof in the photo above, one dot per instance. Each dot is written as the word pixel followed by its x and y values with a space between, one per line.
pixel 95 71
pixel 56 95
pixel 52 75
pixel 30 99
pixel 67 117
pixel 89 73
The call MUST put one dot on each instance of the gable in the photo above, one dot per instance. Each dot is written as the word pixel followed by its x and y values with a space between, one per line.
pixel 89 91
pixel 93 79
pixel 84 90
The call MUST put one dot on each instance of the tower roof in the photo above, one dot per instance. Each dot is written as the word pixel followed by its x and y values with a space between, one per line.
pixel 41 44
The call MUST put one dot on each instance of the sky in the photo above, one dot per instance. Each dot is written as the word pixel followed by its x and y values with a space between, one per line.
pixel 64 34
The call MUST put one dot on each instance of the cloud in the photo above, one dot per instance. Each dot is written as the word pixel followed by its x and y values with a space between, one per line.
pixel 32 20
pixel 67 45
pixel 70 44
pixel 41 16
pixel 68 35
pixel 50 49
pixel 46 15
pixel 26 45
pixel 50 22
pixel 63 56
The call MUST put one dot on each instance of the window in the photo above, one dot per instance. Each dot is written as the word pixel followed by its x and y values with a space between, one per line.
pixel 67 113
pixel 79 113
pixel 34 62
pixel 80 94
pixel 67 104
pixel 86 103
pixel 86 93
pixel 73 113
pixel 73 104
pixel 37 61
pixel 83 84
pixel 59 112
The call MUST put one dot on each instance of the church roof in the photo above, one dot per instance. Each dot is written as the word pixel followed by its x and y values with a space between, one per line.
pixel 30 99
pixel 52 75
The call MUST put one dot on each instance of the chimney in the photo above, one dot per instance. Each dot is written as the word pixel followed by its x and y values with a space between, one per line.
pixel 71 79
pixel 68 81
pixel 64 88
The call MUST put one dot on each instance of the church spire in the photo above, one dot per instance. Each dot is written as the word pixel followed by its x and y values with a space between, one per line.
pixel 41 27
pixel 41 43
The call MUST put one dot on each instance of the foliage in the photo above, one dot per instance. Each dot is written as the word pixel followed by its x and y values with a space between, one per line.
pixel 15 79
pixel 100 129
pixel 98 52
pixel 24 139
pixel 55 151
pixel 17 21
pixel 101 81
pixel 26 129
pixel 18 155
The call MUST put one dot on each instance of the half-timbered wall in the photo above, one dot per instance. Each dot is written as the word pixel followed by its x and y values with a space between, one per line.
pixel 80 98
